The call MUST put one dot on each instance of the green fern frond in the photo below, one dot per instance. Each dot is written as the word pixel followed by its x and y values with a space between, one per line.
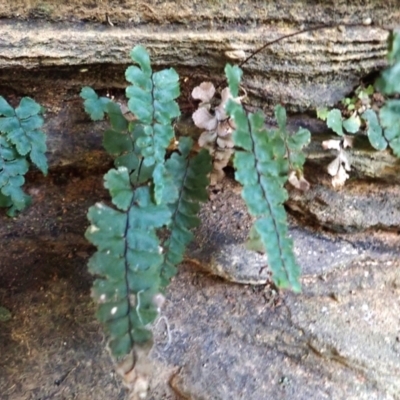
pixel 389 116
pixel 21 138
pixel 128 260
pixel 190 179
pixel 374 130
pixel 233 76
pixel 294 143
pixel 94 105
pixel 13 167
pixel 262 168
pixel 152 100
pixel 148 193
pixel 389 81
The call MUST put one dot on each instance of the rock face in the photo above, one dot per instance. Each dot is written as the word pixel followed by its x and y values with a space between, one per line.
pixel 199 38
pixel 340 338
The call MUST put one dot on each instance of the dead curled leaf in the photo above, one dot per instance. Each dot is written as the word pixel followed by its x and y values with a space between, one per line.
pixel 217 137
pixel 202 118
pixel 337 169
pixel 204 92
pixel 207 138
pixel 136 369
pixel 340 178
pixel 299 182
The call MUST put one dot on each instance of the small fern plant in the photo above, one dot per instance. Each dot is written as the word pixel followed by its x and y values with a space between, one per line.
pixel 22 142
pixel 385 129
pixel 156 191
pixel 142 237
pixel 263 160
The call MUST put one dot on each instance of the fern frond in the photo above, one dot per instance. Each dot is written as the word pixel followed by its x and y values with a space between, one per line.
pixel 22 127
pixel 389 80
pixel 262 168
pixel 20 137
pixel 294 143
pixel 389 116
pixel 128 261
pixel 190 179
pixel 13 167
pixel 94 105
pixel 152 100
pixel 374 130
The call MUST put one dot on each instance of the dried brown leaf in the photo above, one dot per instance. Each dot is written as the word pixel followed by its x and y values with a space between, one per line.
pixel 235 54
pixel 348 141
pixel 344 160
pixel 216 176
pixel 333 167
pixel 202 118
pixel 204 92
pixel 224 154
pixel 224 129
pixel 207 138
pixel 225 142
pixel 221 163
pixel 298 182
pixel 340 178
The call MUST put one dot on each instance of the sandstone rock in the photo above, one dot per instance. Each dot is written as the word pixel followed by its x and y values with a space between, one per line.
pixel 220 248
pixel 303 71
pixel 337 340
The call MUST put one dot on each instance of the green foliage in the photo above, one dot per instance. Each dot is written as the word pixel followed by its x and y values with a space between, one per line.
pixel 361 94
pixel 386 129
pixel 190 179
pixel 5 315
pixel 128 260
pixel 21 142
pixel 233 76
pixel 94 105
pixel 262 160
pixel 148 193
pixel 374 130
pixel 389 81
pixel 151 100
pixel 337 123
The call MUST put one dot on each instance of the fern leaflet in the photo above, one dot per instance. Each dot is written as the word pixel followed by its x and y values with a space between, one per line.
pixel 21 138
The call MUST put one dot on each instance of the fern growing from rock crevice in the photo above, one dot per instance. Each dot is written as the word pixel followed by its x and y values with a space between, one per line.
pixel 21 142
pixel 263 159
pixel 149 192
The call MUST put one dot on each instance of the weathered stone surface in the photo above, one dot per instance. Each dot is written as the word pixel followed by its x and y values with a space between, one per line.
pixel 337 340
pixel 303 71
pixel 220 248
